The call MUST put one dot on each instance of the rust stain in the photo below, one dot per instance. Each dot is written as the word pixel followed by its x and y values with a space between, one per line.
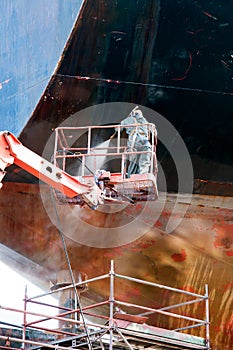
pixel 165 213
pixel 227 286
pixel 158 224
pixel 141 245
pixel 229 325
pixel 217 329
pixel 129 294
pixel 134 292
pixel 179 257
pixel 118 251
pixel 230 253
pixel 145 245
pixel 224 237
pixel 188 289
pixel 132 208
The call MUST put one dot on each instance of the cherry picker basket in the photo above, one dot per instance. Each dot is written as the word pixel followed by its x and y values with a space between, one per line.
pixel 83 153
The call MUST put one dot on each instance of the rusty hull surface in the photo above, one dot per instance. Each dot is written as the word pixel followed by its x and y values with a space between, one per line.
pixel 199 251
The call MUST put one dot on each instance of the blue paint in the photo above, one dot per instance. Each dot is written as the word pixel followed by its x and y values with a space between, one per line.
pixel 32 37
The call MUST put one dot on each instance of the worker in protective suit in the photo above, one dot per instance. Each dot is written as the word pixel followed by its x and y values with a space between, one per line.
pixel 138 140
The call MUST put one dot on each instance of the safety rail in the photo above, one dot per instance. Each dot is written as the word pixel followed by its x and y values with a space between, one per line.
pixel 92 156
pixel 113 327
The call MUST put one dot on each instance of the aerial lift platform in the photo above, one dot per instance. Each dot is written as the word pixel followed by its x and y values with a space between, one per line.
pixel 78 170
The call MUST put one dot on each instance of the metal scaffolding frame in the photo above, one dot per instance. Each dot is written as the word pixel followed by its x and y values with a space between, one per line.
pixel 113 333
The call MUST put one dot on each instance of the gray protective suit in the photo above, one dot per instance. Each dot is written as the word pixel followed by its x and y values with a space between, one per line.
pixel 138 140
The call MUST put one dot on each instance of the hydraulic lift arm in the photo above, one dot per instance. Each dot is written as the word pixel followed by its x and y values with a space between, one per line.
pixel 13 152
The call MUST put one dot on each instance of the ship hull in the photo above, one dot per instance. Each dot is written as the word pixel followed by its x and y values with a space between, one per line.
pixel 179 68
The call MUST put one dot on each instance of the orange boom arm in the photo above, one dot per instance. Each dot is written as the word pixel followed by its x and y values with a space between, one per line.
pixel 13 152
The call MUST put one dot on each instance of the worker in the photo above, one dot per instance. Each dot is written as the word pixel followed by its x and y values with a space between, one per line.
pixel 138 141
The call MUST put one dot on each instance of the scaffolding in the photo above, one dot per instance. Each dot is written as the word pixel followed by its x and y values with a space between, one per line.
pixel 114 329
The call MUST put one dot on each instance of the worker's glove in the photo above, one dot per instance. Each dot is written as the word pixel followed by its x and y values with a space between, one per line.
pixel 111 137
